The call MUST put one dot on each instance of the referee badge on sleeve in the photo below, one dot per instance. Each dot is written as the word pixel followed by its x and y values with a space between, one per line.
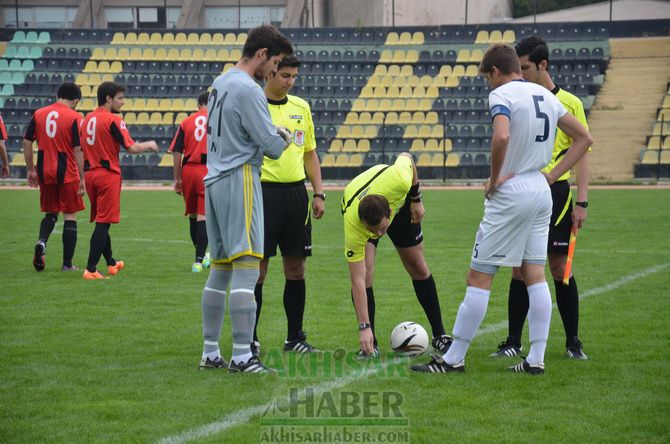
pixel 299 137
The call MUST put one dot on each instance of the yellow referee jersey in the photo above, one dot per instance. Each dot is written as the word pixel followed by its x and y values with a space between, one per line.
pixel 393 183
pixel 562 142
pixel 294 114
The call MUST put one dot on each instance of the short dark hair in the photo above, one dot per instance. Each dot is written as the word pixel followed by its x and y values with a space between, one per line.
pixel 203 97
pixel 534 47
pixel 68 91
pixel 108 89
pixel 502 57
pixel 290 60
pixel 373 208
pixel 266 36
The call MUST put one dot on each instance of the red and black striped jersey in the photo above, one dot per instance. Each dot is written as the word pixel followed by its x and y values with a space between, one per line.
pixel 102 133
pixel 191 138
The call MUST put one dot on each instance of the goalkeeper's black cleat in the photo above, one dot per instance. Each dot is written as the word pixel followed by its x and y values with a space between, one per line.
pixel 438 365
pixel 217 362
pixel 300 345
pixel 253 365
pixel 525 367
pixel 507 349
pixel 38 256
pixel 442 343
pixel 575 350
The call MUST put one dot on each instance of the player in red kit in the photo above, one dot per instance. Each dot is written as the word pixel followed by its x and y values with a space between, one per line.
pixel 102 133
pixel 189 150
pixel 3 150
pixel 60 170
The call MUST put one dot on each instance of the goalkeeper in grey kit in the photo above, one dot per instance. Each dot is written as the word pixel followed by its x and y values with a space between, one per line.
pixel 239 133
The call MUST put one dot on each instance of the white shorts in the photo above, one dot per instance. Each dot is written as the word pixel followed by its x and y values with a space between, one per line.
pixel 515 227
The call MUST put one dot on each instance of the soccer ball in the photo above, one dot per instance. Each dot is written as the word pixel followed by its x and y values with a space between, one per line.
pixel 409 339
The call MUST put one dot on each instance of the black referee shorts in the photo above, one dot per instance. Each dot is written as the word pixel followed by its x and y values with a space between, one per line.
pixel 402 231
pixel 287 219
pixel 561 218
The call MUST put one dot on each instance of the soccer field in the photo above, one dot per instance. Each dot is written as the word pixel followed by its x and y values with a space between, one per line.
pixel 117 360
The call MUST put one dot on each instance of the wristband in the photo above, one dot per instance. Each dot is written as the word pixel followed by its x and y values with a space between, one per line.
pixel 414 190
pixel 416 198
pixel 319 195
pixel 364 326
pixel 582 204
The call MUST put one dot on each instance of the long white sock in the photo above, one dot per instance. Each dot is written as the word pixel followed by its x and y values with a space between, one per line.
pixel 539 318
pixel 470 315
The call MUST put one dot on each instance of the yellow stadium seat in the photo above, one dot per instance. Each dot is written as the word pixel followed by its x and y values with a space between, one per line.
pixel 217 38
pixel 168 104
pixel 180 38
pixel 90 66
pixel 349 146
pixel 363 119
pixel 168 39
pixel 445 71
pixel 386 56
pixel 663 115
pixel 463 56
pixel 241 38
pixel 131 38
pixel 167 118
pixel 654 143
pixel 336 146
pixel 418 117
pixel 88 104
pixel 328 161
pixel 439 82
pixel 342 160
pixel 496 36
pixel 190 104
pixel 400 81
pixel 185 54
pixel 391 118
pixel 432 145
pixel 357 132
pixel 129 118
pixel 363 146
pixel 393 70
pixel 118 38
pixel 509 37
pixel 235 55
pixel 373 81
pixel 193 39
pixel 396 104
pixel 666 102
pixel 351 118
pixel 103 66
pixel 138 104
pixel 476 55
pixel 412 56
pixel 431 118
pixel 19 160
pixel 227 66
pixel 223 54
pixel 458 71
pixel 210 54
pixel 650 157
pixel 358 105
pixel 143 118
pixel 198 55
pixel 417 145
pixel 437 131
pixel 437 160
pixel 424 131
pixel 369 131
pixel 482 37
pixel 406 70
pixel 387 81
pixel 110 54
pixel 161 54
pixel 399 56
pixel 665 157
pixel 172 54
pixel 115 67
pixel 418 38
pixel 666 143
pixel 410 132
pixel 392 38
pixel 404 118
pixel 367 92
pixel 412 81
pixel 122 54
pixel 452 160
pixel 86 91
pixel 355 160
pixel 166 161
pixel 424 160
pixel 425 81
pixel 157 39
pixel 452 82
pixel 137 54
pixel 230 40
pixel 425 104
pixel 378 118
pixel 380 70
pixel 392 92
pixel 405 38
pixel 205 38
pixel 405 92
pixel 94 79
pixel 343 132
pixel 143 38
pixel 97 54
pixel 661 129
pixel 378 105
pixel 432 92
pixel 151 104
pixel 107 78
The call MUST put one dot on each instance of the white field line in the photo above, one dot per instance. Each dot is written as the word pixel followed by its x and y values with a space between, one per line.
pixel 244 415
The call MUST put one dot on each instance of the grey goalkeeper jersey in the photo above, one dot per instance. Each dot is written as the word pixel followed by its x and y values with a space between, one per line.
pixel 239 127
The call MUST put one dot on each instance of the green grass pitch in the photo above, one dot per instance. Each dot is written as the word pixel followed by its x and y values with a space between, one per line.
pixel 116 361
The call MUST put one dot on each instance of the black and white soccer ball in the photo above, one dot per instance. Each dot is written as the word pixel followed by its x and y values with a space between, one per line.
pixel 409 339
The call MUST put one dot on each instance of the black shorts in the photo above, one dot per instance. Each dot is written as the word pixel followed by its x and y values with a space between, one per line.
pixel 287 219
pixel 402 231
pixel 561 218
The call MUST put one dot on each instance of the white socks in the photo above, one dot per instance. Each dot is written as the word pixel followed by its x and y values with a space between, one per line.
pixel 470 315
pixel 539 317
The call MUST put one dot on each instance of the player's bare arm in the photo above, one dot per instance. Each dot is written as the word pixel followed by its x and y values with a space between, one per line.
pixel 143 147
pixel 581 141
pixel 582 173
pixel 79 158
pixel 30 164
pixel 357 274
pixel 176 162
pixel 5 160
pixel 499 143
pixel 313 171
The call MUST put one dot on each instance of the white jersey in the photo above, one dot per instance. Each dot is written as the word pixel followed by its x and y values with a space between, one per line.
pixel 533 112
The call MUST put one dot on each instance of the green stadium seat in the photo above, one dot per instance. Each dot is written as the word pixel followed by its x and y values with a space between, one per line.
pixel 44 37
pixel 14 65
pixel 28 65
pixel 35 52
pixel 4 65
pixel 31 37
pixel 7 89
pixel 10 52
pixel 17 78
pixel 19 37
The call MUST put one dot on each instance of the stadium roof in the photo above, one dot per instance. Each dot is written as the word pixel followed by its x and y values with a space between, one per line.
pixel 621 10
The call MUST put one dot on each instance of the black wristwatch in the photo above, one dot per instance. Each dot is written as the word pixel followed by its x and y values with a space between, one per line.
pixel 584 204
pixel 364 326
pixel 320 195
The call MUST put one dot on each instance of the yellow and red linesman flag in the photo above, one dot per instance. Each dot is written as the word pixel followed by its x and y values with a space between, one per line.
pixel 571 254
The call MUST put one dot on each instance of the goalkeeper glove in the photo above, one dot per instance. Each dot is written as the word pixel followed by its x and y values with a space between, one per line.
pixel 285 134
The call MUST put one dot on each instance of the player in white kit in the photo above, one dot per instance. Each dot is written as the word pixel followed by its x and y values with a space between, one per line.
pixel 515 226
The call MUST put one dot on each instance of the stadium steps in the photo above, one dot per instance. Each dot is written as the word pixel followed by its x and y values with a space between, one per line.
pixel 626 106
